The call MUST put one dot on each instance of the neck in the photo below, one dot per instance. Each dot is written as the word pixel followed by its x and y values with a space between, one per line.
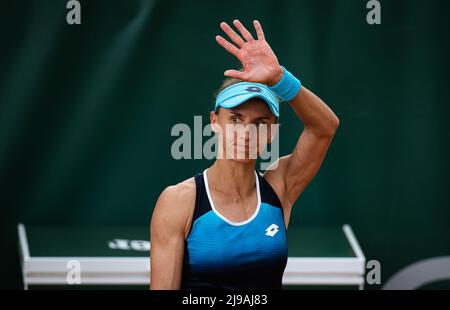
pixel 234 178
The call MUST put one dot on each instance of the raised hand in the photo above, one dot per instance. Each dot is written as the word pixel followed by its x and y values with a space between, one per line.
pixel 259 63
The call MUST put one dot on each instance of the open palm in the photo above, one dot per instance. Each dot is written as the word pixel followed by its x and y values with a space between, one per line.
pixel 259 63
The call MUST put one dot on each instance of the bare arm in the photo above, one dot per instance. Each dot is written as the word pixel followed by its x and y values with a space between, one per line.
pixel 295 171
pixel 260 64
pixel 168 229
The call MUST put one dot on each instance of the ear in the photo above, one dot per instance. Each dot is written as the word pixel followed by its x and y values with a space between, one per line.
pixel 214 121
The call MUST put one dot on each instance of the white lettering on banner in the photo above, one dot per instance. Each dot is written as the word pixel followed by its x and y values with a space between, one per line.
pixel 129 245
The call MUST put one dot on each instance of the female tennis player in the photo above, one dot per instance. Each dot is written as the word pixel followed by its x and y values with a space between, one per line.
pixel 225 228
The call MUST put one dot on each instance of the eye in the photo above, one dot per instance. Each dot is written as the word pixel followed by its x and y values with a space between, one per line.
pixel 260 122
pixel 235 120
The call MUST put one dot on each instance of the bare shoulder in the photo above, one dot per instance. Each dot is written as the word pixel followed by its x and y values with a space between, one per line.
pixel 178 194
pixel 175 205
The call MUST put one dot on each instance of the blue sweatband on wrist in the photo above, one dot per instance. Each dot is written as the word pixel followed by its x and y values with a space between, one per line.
pixel 288 87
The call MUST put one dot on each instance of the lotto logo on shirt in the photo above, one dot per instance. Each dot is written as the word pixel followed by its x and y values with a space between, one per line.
pixel 271 230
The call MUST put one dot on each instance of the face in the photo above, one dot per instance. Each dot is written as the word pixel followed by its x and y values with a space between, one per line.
pixel 243 131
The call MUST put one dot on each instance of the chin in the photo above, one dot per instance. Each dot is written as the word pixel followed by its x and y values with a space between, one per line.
pixel 244 161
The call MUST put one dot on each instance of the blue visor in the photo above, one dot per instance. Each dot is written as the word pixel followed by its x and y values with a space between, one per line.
pixel 238 93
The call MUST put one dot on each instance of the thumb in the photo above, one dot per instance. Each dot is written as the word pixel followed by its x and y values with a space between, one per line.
pixel 235 74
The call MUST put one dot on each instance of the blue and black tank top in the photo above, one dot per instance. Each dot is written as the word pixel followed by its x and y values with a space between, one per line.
pixel 221 254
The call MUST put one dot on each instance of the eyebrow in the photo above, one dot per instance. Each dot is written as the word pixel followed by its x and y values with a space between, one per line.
pixel 241 115
pixel 236 113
